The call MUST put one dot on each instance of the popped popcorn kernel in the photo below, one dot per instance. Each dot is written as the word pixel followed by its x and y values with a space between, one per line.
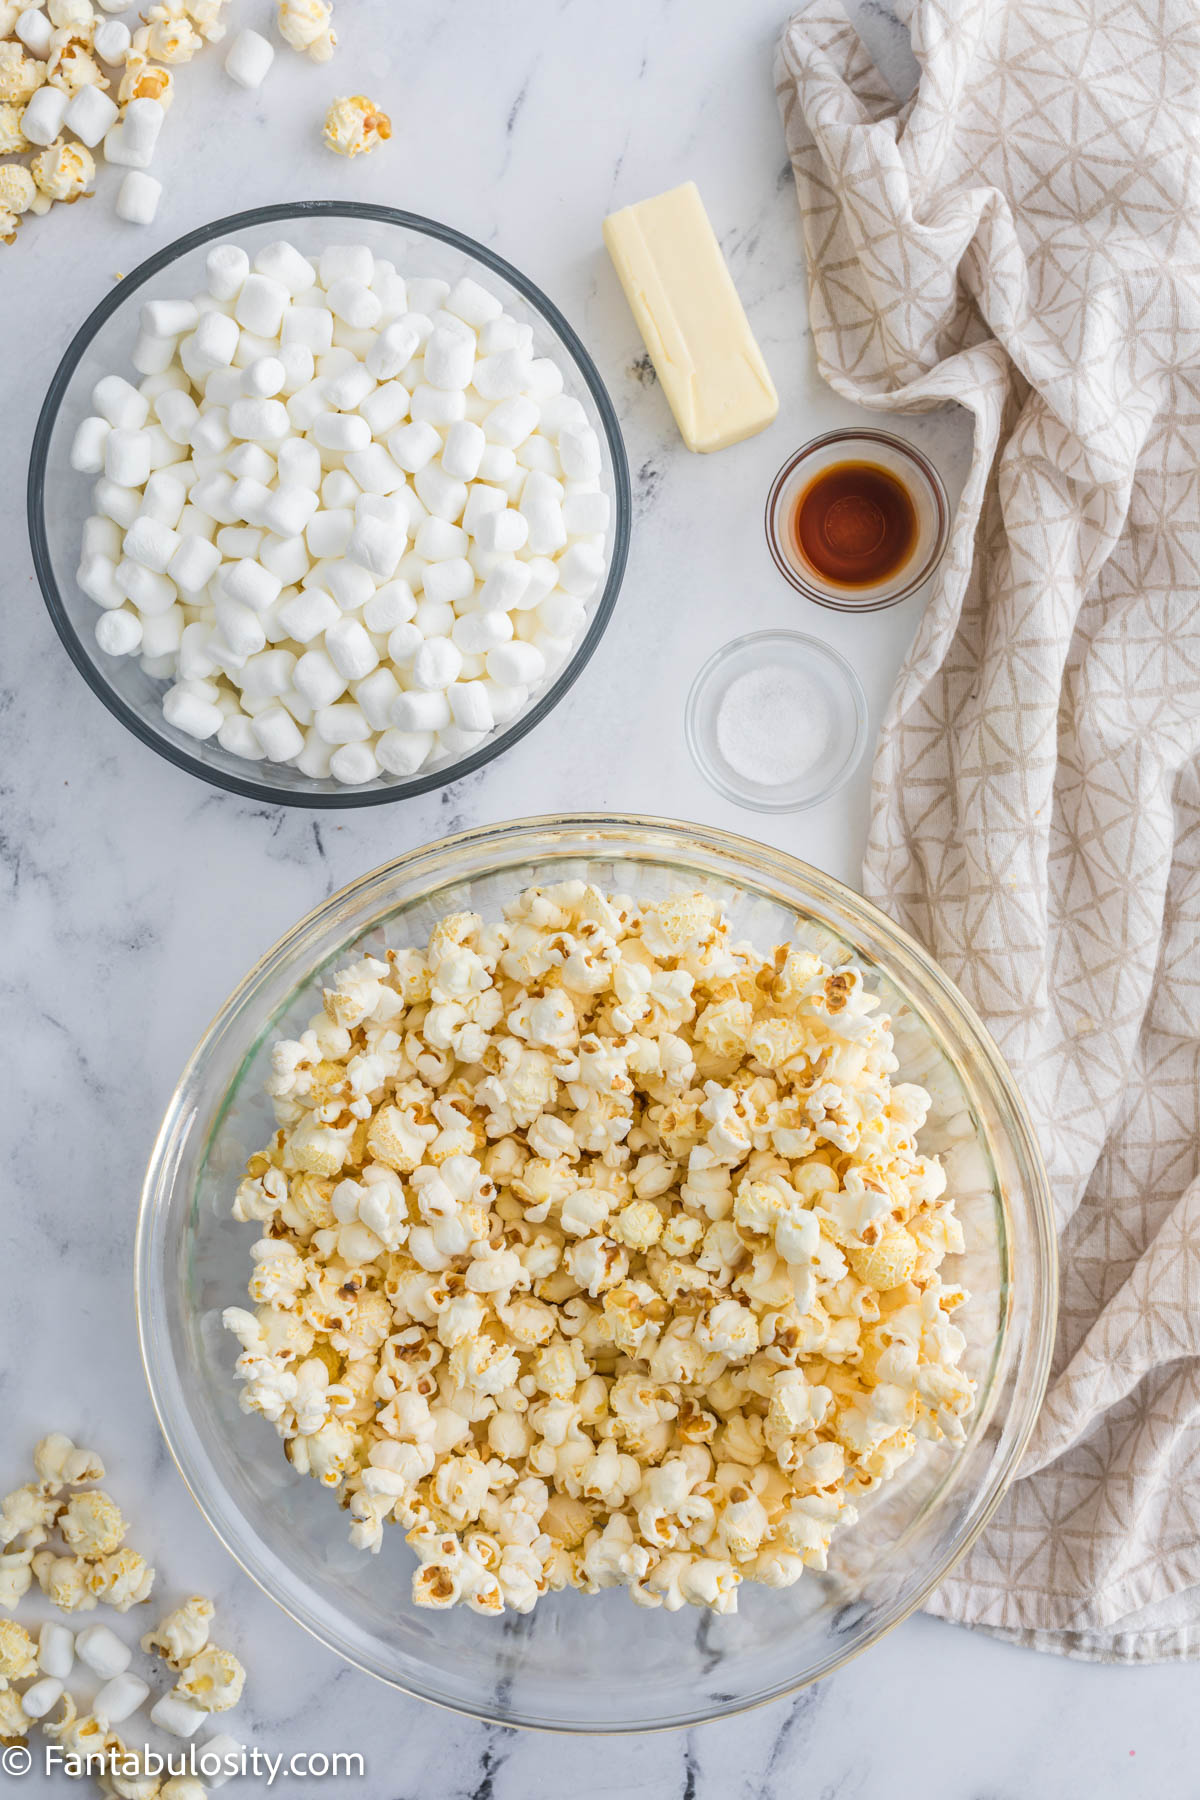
pixel 355 124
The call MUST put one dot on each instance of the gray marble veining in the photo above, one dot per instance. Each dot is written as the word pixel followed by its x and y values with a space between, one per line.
pixel 135 897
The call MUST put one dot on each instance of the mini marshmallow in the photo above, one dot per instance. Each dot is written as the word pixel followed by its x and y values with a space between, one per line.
pixel 287 510
pixel 251 584
pixel 121 404
pixel 299 368
pixel 87 446
pixel 103 1651
pixel 436 664
pixel 505 531
pixel 282 262
pixel 438 406
pixel 414 446
pixel 581 569
pixel 131 142
pixel 280 739
pixel 347 391
pixel 393 349
pixel 226 268
pixel 472 303
pixel 119 633
pixel 162 633
pixel 248 60
pixel 342 723
pixel 339 490
pixel 476 633
pixel 253 461
pixel 579 452
pixel 240 627
pixel 96 576
pixel 42 119
pixel 41 1697
pixel 178 415
pixel 261 305
pixel 511 422
pixel 56 1650
pixel 311 326
pixel 505 702
pixel 249 497
pixel 102 537
pixel 341 432
pixel 350 649
pixel 213 495
pixel 151 543
pixel 449 582
pixel 287 558
pixel 115 502
pixel 354 303
pixel 262 421
pixel 463 450
pixel 299 463
pixel 502 375
pixel 498 463
pixel 375 695
pixel 164 497
pixel 440 493
pixel 215 340
pixel 36 32
pixel 90 114
pixel 416 710
pixel 308 614
pixel 172 1714
pixel 346 262
pixel 481 500
pixel 403 752
pixel 127 457
pixel 169 318
pixel 264 377
pixel 119 1698
pixel 353 764
pixel 437 540
pixel 449 358
pixel 374 470
pixel 316 678
pixel 328 532
pixel 377 545
pixel 111 42
pixel 238 736
pixel 516 664
pixel 469 706
pixel 267 675
pixel 385 407
pixel 434 618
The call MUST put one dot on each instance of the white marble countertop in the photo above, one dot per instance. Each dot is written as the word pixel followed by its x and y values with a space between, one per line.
pixel 136 897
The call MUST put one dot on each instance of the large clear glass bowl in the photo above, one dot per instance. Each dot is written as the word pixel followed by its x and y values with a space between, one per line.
pixel 578 1663
pixel 59 499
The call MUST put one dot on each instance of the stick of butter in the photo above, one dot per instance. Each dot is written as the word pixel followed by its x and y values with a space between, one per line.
pixel 688 312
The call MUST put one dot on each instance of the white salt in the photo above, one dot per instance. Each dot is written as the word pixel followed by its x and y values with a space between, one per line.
pixel 774 725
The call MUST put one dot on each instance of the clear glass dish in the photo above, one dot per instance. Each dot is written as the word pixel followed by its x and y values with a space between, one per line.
pixel 576 1663
pixel 916 475
pixel 768 653
pixel 59 499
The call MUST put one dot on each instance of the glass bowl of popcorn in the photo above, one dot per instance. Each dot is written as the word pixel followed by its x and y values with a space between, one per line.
pixel 328 504
pixel 649 1614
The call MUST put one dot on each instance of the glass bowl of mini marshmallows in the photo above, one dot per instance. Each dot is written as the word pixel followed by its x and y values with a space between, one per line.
pixel 625 1634
pixel 328 504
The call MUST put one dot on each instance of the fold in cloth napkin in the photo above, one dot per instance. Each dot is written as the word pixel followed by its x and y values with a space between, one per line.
pixel 1023 237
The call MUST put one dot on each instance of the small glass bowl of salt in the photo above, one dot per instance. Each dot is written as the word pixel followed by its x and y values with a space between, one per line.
pixel 776 721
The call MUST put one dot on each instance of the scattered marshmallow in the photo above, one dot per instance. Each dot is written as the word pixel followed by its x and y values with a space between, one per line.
pixel 248 59
pixel 138 197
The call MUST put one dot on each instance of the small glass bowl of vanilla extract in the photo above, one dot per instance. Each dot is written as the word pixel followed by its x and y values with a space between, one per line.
pixel 857 520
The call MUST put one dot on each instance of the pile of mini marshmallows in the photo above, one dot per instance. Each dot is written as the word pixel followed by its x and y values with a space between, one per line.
pixel 352 519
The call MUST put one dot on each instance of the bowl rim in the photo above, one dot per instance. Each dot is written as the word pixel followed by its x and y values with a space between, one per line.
pixel 130 717
pixel 1043 1316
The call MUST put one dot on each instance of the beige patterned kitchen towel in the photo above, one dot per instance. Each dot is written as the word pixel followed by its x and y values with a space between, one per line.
pixel 1022 237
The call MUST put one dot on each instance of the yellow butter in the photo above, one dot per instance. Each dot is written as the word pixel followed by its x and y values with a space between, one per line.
pixel 688 312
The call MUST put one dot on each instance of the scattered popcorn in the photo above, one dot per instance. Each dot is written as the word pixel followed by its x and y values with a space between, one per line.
pixel 354 124
pixel 92 1524
pixel 307 26
pixel 182 1634
pixel 57 1461
pixel 598 1250
pixel 18 1653
pixel 213 1680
